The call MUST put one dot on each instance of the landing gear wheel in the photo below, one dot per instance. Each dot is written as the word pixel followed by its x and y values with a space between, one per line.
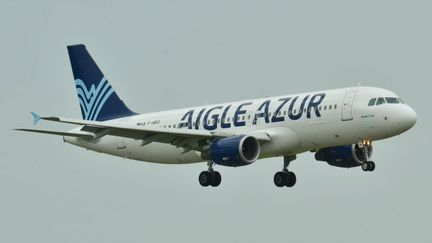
pixel 216 179
pixel 282 179
pixel 210 177
pixel 205 178
pixel 279 179
pixel 291 179
pixel 368 166
pixel 371 166
pixel 365 166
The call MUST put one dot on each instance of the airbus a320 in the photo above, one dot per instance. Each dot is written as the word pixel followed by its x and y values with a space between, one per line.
pixel 338 126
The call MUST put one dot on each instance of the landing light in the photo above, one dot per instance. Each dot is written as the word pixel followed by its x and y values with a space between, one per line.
pixel 367 142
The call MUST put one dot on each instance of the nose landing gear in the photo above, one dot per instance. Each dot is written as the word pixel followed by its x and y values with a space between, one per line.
pixel 368 166
pixel 366 149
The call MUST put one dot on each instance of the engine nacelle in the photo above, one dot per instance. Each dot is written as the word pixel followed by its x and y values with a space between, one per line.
pixel 234 151
pixel 345 156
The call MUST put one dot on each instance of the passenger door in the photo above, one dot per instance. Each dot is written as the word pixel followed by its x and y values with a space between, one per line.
pixel 347 104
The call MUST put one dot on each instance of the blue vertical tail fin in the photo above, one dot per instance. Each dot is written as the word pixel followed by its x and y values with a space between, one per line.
pixel 98 100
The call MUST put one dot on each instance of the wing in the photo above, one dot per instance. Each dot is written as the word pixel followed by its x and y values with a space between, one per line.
pixel 186 138
pixel 68 134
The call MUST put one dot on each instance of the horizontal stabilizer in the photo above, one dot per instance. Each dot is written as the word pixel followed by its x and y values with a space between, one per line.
pixel 67 134
pixel 36 118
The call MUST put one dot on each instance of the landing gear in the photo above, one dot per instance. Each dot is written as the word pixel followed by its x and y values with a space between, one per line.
pixel 366 148
pixel 281 179
pixel 285 177
pixel 368 166
pixel 210 177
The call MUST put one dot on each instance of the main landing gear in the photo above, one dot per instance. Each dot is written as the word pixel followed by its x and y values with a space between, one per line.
pixel 210 177
pixel 285 177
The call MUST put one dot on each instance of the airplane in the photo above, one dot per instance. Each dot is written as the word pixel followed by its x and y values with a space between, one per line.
pixel 337 125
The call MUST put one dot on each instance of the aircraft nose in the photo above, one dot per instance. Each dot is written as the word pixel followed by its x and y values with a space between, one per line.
pixel 410 117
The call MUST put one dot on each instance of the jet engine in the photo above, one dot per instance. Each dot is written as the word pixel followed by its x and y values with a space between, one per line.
pixel 233 151
pixel 346 156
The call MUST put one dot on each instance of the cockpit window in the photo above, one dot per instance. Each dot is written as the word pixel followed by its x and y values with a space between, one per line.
pixel 380 101
pixel 372 102
pixel 392 100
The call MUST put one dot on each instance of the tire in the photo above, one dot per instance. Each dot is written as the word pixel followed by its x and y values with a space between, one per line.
pixel 204 178
pixel 216 179
pixel 291 179
pixel 365 166
pixel 371 166
pixel 279 179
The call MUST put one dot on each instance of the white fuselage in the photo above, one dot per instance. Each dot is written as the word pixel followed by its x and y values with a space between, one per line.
pixel 295 123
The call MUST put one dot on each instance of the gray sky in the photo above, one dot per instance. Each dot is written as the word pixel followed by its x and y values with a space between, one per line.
pixel 163 55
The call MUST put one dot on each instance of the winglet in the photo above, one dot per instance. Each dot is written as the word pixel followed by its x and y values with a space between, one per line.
pixel 36 118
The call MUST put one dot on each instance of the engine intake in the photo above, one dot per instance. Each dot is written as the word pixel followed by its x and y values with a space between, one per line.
pixel 345 156
pixel 234 151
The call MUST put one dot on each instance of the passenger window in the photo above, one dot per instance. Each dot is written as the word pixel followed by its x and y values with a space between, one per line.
pixel 372 102
pixel 174 126
pixel 320 108
pixel 330 107
pixel 325 107
pixel 335 106
pixel 392 100
pixel 284 113
pixel 380 101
